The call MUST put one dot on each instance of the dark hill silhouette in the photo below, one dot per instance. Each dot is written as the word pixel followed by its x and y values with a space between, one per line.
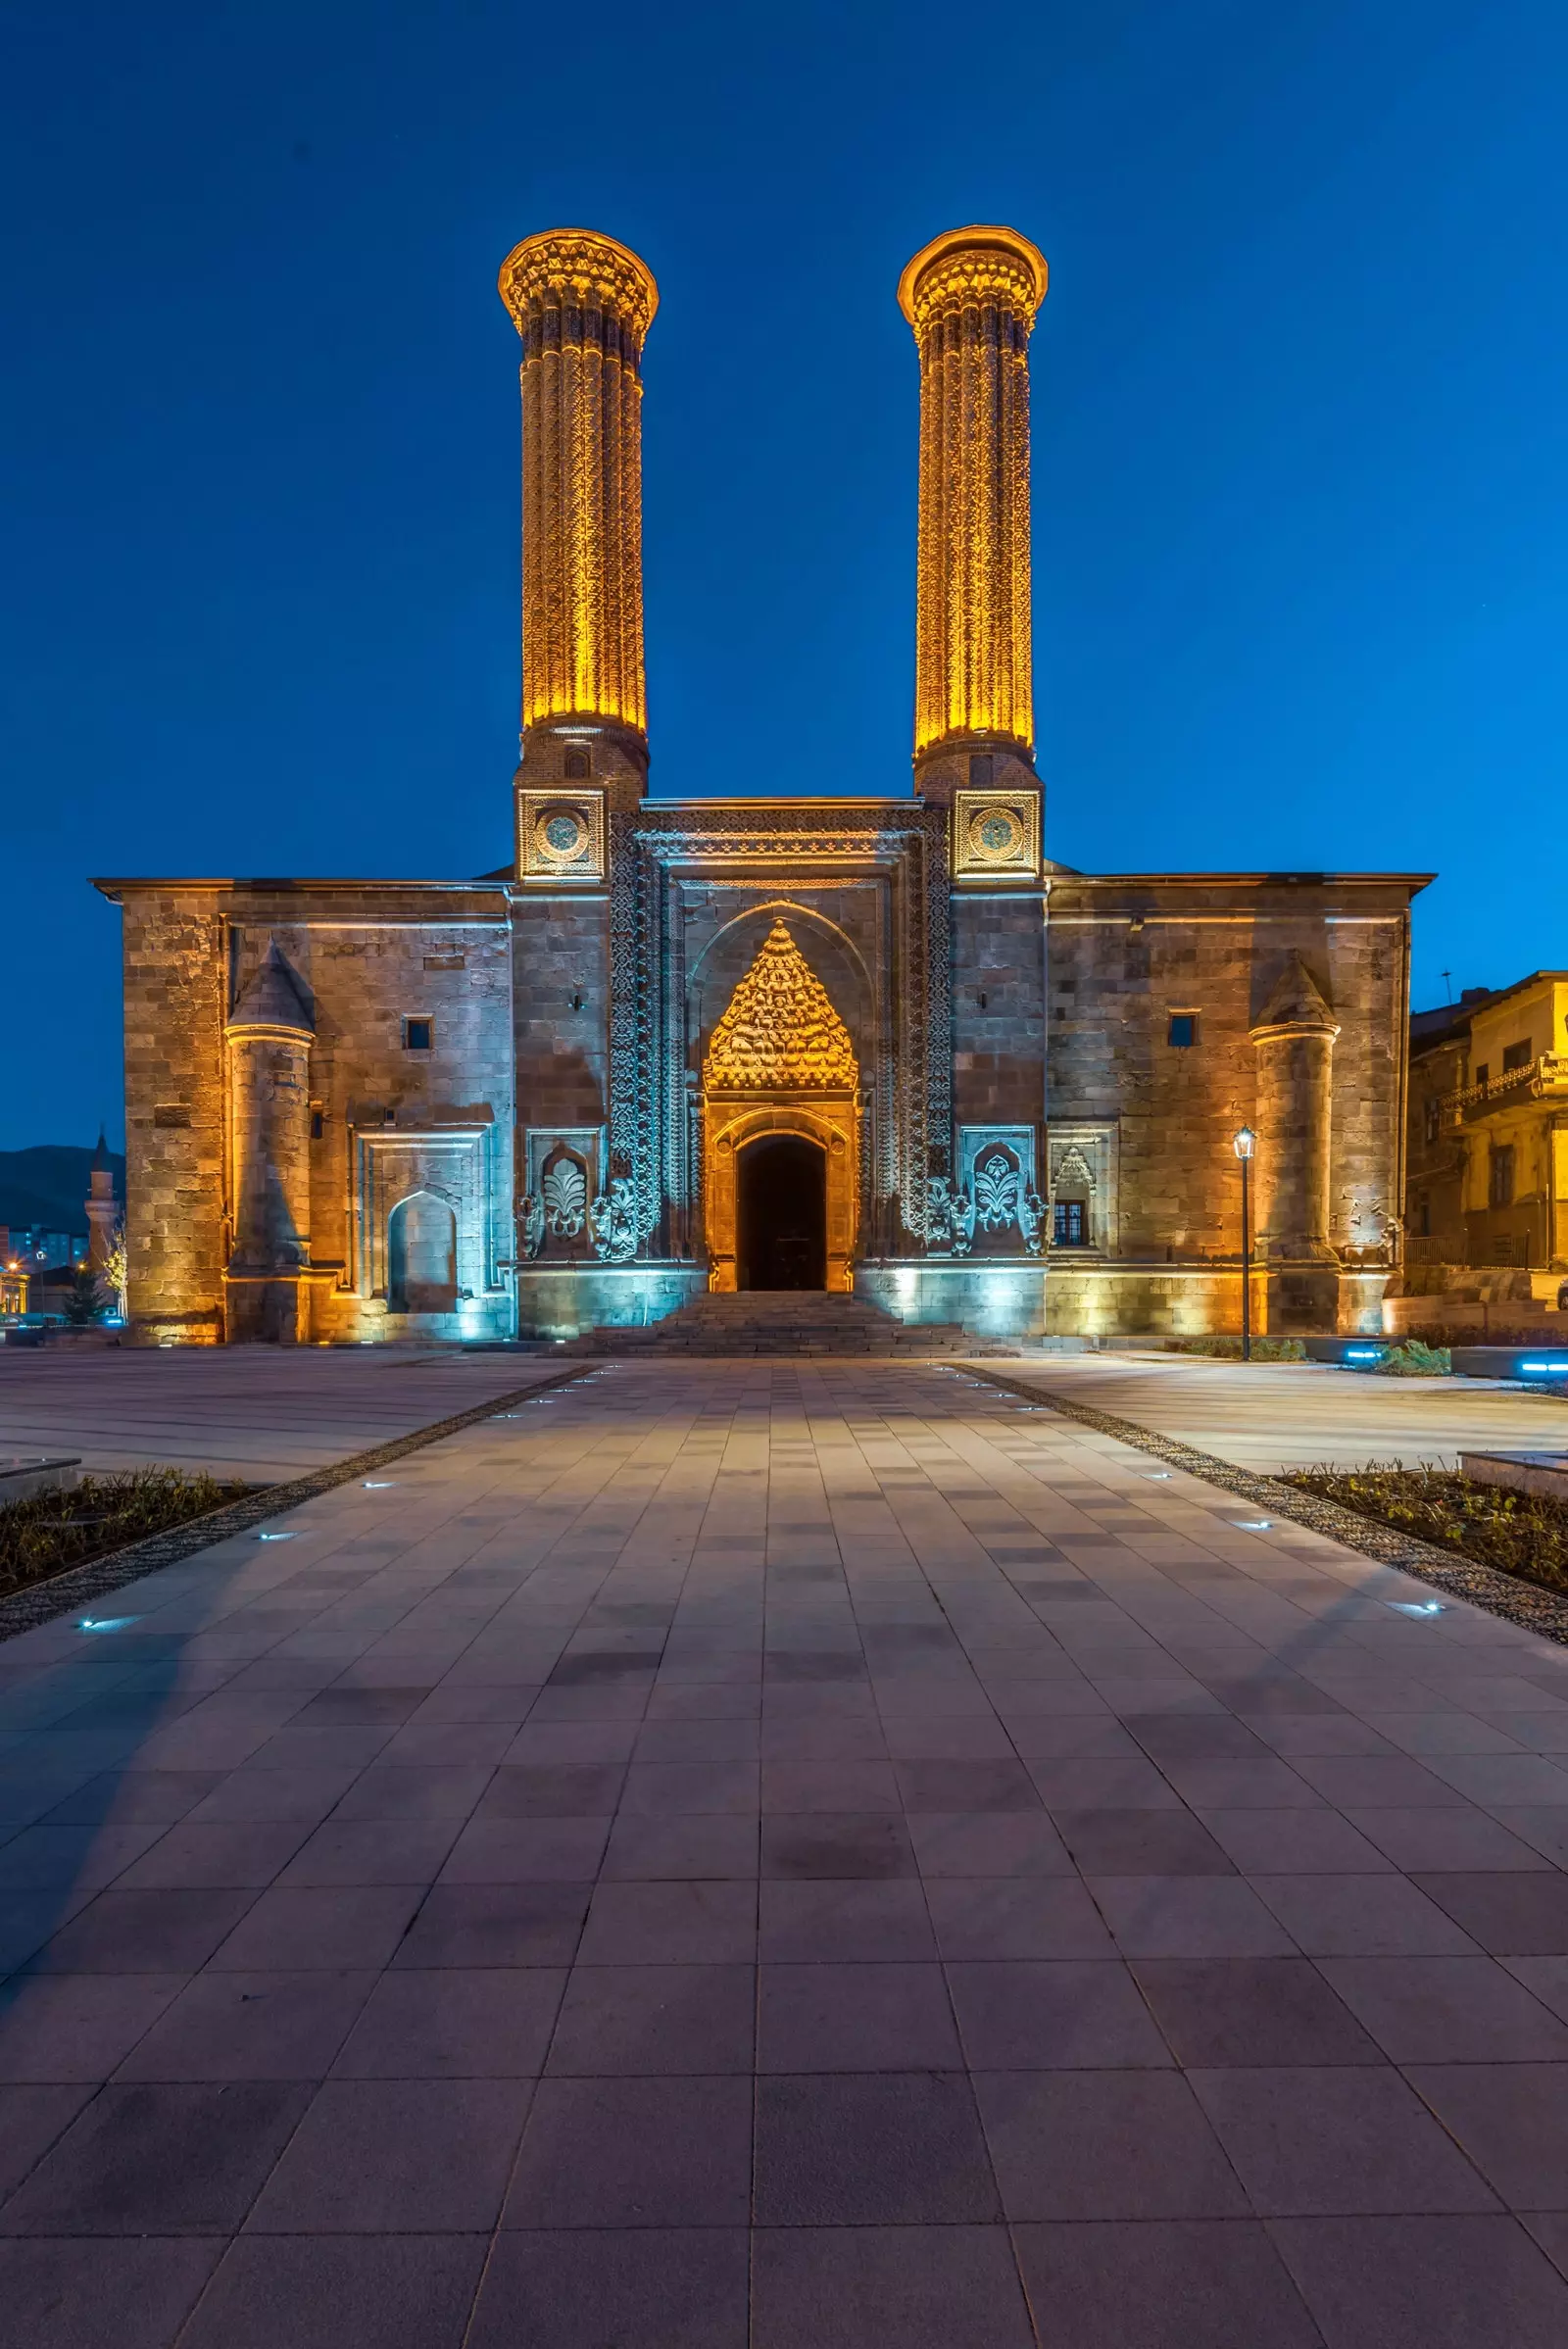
pixel 48 1184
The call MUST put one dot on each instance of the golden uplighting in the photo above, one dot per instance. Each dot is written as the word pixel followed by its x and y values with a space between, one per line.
pixel 582 303
pixel 971 296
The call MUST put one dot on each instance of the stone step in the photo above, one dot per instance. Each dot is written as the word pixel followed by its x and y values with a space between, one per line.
pixel 776 1322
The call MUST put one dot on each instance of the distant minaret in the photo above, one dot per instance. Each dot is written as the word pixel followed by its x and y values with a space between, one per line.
pixel 971 297
pixel 103 1210
pixel 582 305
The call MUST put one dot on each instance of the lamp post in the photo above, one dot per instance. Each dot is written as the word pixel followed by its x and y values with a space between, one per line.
pixel 1243 1143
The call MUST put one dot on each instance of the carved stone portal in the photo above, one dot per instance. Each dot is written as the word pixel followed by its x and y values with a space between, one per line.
pixel 780 1061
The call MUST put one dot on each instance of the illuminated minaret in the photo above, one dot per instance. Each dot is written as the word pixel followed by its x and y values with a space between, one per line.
pixel 971 297
pixel 581 304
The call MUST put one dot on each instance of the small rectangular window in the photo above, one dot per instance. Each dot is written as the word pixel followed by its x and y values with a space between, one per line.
pixel 1070 1223
pixel 318 1125
pixel 1483 1072
pixel 1432 1120
pixel 1517 1055
pixel 418 1035
pixel 1500 1187
pixel 1183 1029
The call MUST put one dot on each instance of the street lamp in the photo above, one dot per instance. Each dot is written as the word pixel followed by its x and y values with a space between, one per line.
pixel 1243 1143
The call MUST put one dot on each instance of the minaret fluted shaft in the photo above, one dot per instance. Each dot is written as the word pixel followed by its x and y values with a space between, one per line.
pixel 971 297
pixel 581 304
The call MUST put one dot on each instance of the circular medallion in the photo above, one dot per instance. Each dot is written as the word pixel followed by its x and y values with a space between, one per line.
pixel 995 835
pixel 560 835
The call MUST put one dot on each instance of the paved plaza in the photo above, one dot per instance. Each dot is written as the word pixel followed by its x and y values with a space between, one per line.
pixel 1272 1415
pixel 775 1856
pixel 260 1413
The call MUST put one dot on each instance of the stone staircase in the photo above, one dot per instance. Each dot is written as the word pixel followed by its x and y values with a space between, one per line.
pixel 780 1321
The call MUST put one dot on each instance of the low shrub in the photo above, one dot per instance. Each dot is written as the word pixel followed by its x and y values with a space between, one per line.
pixel 1229 1350
pixel 1415 1360
pixel 56 1529
pixel 1519 1532
pixel 1451 1333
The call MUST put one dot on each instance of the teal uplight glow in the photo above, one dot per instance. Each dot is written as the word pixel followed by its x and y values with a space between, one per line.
pixel 1551 1370
pixel 105 1623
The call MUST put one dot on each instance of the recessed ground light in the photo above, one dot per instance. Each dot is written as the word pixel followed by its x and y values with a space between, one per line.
pixel 379 1484
pixel 1158 1475
pixel 1252 1525
pixel 274 1537
pixel 1418 1606
pixel 105 1623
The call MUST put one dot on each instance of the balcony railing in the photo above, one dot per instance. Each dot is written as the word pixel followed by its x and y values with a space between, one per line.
pixel 1546 1075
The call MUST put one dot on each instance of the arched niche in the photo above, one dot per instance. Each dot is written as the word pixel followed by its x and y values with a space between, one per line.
pixel 422 1256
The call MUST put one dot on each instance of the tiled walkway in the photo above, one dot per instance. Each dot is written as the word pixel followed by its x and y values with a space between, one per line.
pixel 1269 1415
pixel 261 1414
pixel 814 1858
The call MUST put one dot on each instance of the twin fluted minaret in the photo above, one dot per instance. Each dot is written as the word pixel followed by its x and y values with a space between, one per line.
pixel 971 297
pixel 582 305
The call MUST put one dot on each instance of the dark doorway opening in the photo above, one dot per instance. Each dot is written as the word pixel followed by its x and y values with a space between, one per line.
pixel 782 1202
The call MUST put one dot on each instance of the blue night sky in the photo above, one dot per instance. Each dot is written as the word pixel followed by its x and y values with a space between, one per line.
pixel 1300 478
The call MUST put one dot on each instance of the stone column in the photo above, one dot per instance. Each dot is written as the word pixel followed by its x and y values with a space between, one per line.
pixel 1295 1044
pixel 269 1036
pixel 971 297
pixel 582 305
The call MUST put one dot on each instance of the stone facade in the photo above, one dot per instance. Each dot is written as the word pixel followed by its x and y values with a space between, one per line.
pixel 363 1110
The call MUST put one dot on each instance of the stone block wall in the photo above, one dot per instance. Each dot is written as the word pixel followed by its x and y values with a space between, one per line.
pixel 1126 953
pixel 999 1008
pixel 175 1002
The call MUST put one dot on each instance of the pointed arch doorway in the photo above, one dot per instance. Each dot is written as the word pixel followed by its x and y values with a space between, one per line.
pixel 781 1112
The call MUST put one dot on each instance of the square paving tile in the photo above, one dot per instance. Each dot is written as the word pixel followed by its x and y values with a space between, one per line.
pixel 1142 1843
pixel 654 2020
pixel 855 2017
pixel 1217 2012
pixel 1425 2282
pixel 809 1844
pixel 1362 1916
pixel 812 1922
pixel 886 2288
pixel 1511 1914
pixel 1512 2120
pixel 1105 2145
pixel 77 2026
pixel 160 2160
pixel 664 2287
pixel 1313 2140
pixel 366 2291
pixel 496 1925
pixel 455 2022
pixel 1189 1916
pixel 871 2149
pixel 629 2152
pixel 1174 2283
pixel 397 2156
pixel 251 2027
pixel 1435 2010
pixel 1060 2014
pixel 111 2293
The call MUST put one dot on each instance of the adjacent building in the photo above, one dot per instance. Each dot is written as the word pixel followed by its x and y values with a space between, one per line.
pixel 834 1040
pixel 1488 1145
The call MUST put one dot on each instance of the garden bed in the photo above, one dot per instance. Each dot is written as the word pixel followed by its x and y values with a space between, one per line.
pixel 52 1531
pixel 1522 1534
